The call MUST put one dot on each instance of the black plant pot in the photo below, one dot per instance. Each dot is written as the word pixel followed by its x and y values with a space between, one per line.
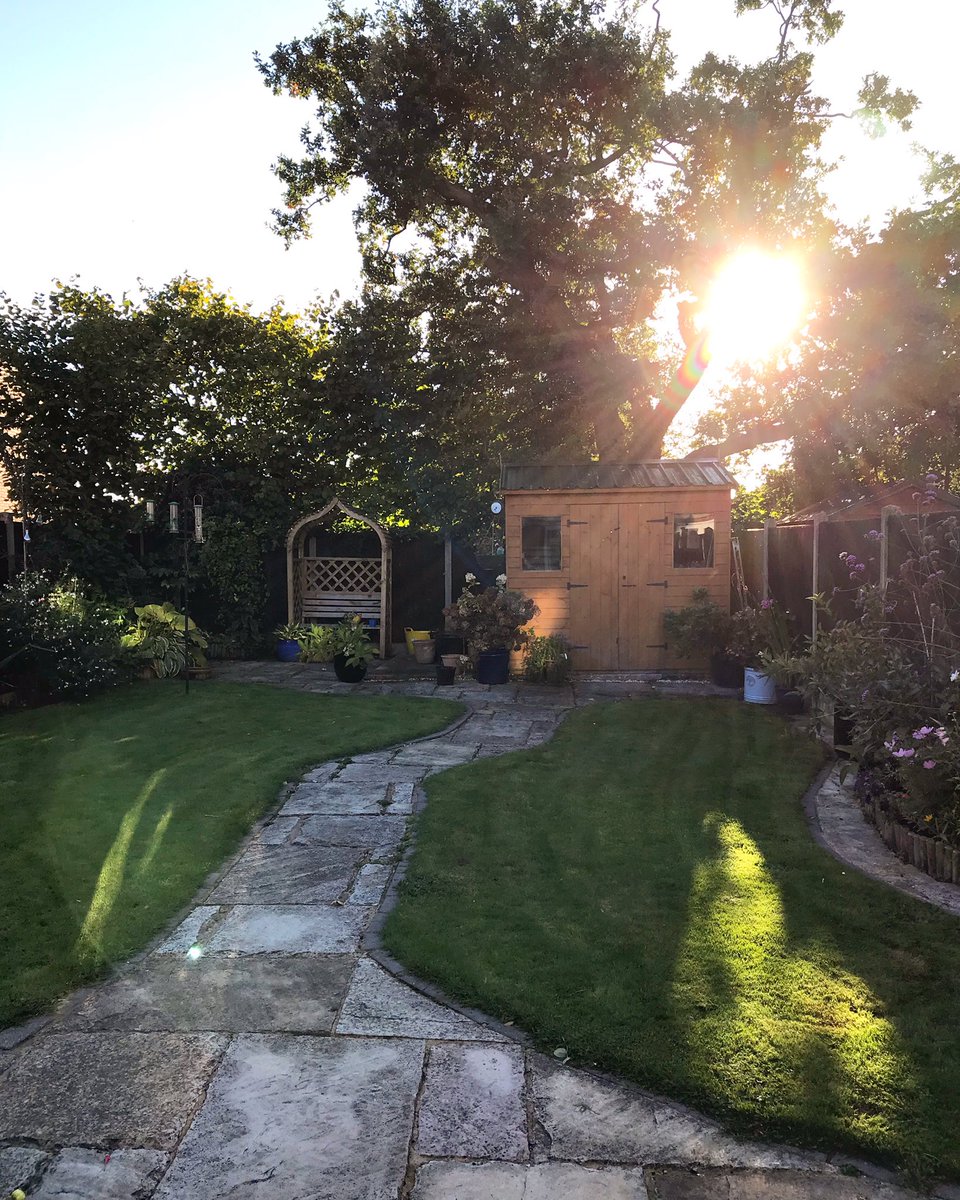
pixel 790 702
pixel 446 675
pixel 346 673
pixel 726 672
pixel 493 666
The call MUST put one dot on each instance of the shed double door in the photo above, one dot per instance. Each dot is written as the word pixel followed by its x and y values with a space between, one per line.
pixel 616 586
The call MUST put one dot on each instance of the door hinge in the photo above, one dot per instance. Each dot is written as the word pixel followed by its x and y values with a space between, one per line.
pixel 656 645
pixel 628 585
pixel 573 585
pixel 578 523
pixel 579 647
pixel 658 584
pixel 657 520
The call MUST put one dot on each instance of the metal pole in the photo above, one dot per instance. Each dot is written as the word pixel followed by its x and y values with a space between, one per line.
pixel 186 615
pixel 814 610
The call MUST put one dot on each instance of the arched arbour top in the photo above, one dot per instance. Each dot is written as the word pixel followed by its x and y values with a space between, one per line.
pixel 328 587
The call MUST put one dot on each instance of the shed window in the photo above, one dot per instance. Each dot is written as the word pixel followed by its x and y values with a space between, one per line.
pixel 540 543
pixel 693 540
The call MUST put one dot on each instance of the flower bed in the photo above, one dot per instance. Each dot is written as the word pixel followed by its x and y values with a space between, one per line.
pixel 925 851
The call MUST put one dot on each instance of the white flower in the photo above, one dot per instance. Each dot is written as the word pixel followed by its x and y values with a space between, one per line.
pixel 470 577
pixel 954 676
pixel 501 580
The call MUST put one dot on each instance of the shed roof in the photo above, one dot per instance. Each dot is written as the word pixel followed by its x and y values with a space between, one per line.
pixel 869 504
pixel 664 473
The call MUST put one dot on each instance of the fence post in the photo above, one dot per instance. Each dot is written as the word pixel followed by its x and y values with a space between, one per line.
pixel 814 608
pixel 447 571
pixel 768 524
pixel 886 513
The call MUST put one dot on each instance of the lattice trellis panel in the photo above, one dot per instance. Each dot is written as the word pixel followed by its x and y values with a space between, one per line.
pixel 348 575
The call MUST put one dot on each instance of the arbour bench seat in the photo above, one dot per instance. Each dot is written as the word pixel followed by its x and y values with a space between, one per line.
pixel 323 608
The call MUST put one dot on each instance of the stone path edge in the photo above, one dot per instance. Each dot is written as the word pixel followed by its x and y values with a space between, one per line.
pixel 16 1035
pixel 909 881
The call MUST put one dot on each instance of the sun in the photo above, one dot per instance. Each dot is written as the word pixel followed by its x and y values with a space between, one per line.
pixel 758 300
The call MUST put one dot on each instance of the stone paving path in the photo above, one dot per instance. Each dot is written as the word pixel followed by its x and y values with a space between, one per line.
pixel 262 1050
pixel 854 840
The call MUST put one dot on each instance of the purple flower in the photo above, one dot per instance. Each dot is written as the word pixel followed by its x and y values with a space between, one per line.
pixel 922 732
pixel 768 603
pixel 902 753
pixel 873 534
pixel 865 694
pixel 891 742
pixel 928 764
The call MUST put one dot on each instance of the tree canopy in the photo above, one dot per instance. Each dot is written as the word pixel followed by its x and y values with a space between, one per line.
pixel 541 157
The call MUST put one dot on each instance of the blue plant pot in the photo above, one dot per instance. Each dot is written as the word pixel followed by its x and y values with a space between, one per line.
pixel 288 650
pixel 493 666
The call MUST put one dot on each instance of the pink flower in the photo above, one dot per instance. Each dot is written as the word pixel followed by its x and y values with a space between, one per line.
pixel 928 764
pixel 919 734
pixel 904 753
pixel 768 603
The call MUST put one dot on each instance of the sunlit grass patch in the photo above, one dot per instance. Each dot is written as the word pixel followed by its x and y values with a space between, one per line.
pixel 644 891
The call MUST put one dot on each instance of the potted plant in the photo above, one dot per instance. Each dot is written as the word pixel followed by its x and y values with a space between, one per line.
pixel 289 638
pixel 702 629
pixel 317 644
pixel 157 640
pixel 758 633
pixel 352 649
pixel 491 619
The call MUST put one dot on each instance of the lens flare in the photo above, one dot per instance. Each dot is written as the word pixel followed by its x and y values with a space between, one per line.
pixel 757 302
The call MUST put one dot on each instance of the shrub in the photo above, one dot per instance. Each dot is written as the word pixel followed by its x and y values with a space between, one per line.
pixel 699 629
pixel 55 642
pixel 162 638
pixel 490 618
pixel 547 659
pixel 317 644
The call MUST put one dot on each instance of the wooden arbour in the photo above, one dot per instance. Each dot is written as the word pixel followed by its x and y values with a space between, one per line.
pixel 324 588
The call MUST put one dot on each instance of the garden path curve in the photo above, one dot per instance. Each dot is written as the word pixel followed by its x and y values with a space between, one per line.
pixel 264 1050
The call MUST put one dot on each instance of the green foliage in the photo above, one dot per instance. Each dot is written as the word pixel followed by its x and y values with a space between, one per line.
pixel 317 645
pixel 294 631
pixel 490 618
pixel 55 642
pixel 558 182
pixel 698 629
pixel 164 638
pixel 546 659
pixel 895 671
pixel 761 632
pixel 350 640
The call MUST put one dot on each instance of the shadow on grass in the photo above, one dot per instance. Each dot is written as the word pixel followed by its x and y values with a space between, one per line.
pixel 644 891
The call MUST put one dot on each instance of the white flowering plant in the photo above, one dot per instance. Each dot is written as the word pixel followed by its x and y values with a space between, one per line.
pixel 490 618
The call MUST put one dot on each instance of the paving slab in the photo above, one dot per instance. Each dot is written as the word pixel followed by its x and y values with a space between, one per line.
pixel 297 993
pixel 546 1181
pixel 137 1090
pixel 591 1118
pixel 358 833
pixel 378 1005
pixel 435 755
pixel 19 1165
pixel 471 1106
pixel 289 929
pixel 672 1184
pixel 293 874
pixel 187 932
pixel 80 1174
pixel 394 772
pixel 277 832
pixel 338 798
pixel 302 1117
pixel 370 883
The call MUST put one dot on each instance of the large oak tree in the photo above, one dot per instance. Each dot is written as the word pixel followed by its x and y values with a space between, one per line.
pixel 544 152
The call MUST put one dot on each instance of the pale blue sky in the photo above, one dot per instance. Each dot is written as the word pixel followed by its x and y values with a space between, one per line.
pixel 136 138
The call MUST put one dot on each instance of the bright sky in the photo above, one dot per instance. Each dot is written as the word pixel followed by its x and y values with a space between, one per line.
pixel 136 138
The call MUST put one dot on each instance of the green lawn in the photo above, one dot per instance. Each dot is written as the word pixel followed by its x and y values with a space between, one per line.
pixel 112 812
pixel 645 892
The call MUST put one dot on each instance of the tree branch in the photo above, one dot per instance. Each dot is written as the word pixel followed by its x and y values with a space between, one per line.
pixel 762 434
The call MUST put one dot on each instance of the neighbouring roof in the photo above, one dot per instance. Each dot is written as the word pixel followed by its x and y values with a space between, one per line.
pixel 869 505
pixel 709 472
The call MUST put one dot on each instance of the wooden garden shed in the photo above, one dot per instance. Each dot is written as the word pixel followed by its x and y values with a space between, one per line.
pixel 604 549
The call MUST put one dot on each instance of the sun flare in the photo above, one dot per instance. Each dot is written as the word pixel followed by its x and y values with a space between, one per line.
pixel 757 301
